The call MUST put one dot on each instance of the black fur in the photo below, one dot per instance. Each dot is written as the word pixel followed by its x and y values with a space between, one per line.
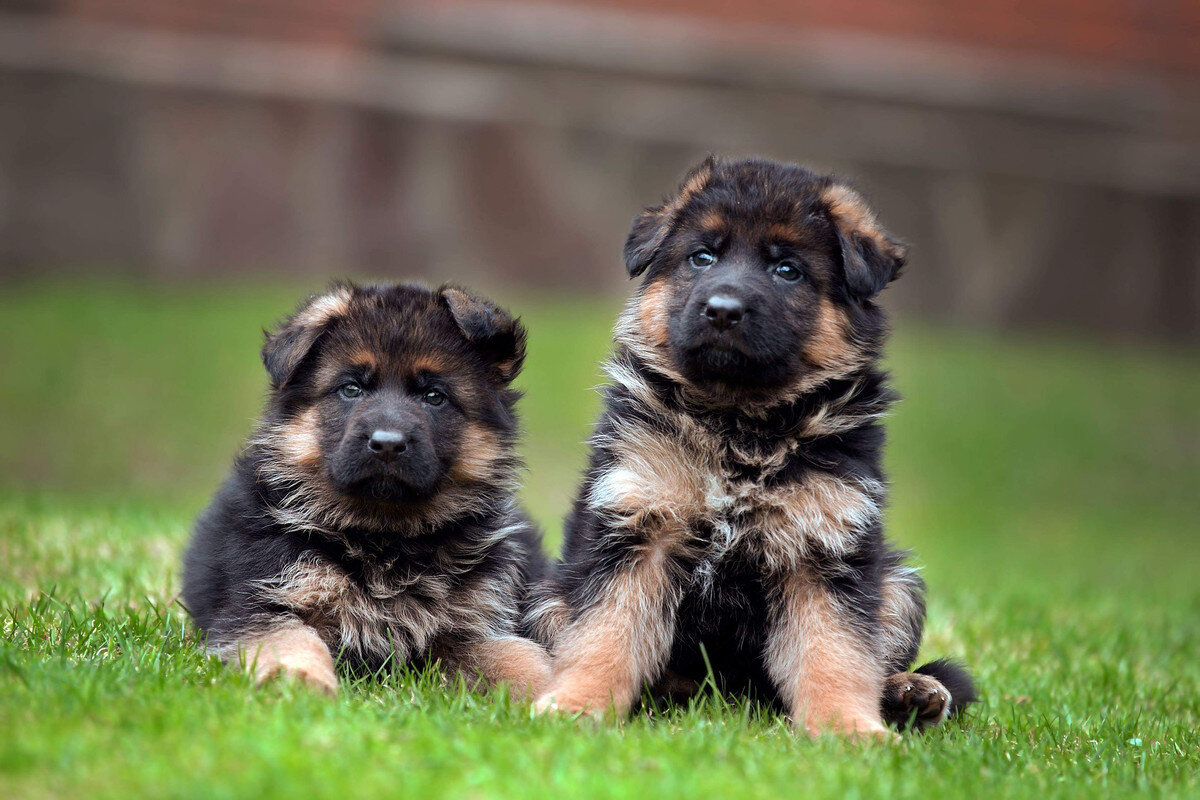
pixel 955 678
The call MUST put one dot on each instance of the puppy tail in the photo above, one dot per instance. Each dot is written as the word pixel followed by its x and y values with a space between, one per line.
pixel 955 678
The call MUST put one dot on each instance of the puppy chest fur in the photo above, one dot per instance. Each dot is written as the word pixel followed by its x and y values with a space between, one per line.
pixel 689 493
pixel 390 611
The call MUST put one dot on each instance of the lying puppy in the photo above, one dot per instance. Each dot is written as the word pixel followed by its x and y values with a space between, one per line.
pixel 372 518
pixel 730 514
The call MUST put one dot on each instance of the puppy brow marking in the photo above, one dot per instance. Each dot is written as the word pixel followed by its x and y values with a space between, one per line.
pixel 782 232
pixel 363 358
pixel 439 364
pixel 713 222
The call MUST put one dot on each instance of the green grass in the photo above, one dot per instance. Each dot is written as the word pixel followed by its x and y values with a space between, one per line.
pixel 1050 488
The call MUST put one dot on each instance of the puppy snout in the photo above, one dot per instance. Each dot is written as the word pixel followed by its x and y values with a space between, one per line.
pixel 387 445
pixel 723 311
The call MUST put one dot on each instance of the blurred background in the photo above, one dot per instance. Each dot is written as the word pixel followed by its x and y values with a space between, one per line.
pixel 175 175
pixel 1043 156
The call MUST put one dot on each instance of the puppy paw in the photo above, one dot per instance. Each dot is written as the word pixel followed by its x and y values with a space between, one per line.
pixel 564 701
pixel 318 676
pixel 865 729
pixel 912 699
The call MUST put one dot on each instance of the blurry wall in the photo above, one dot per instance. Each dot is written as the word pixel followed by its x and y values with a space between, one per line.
pixel 1043 158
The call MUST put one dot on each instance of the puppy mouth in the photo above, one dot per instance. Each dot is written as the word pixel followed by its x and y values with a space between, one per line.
pixel 387 488
pixel 722 351
pixel 724 362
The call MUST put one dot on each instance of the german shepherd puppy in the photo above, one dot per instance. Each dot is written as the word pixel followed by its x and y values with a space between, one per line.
pixel 730 513
pixel 372 517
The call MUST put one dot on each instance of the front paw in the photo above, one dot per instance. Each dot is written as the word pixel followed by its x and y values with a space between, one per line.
pixel 863 728
pixel 572 702
pixel 312 674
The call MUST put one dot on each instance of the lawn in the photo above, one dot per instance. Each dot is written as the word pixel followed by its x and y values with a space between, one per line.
pixel 1050 487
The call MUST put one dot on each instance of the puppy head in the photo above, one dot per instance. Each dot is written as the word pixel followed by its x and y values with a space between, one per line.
pixel 759 280
pixel 391 400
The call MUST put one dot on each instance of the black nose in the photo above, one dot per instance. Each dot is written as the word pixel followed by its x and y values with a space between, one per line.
pixel 387 444
pixel 724 311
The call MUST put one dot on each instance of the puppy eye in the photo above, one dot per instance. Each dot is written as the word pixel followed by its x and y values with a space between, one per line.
pixel 434 397
pixel 788 271
pixel 350 390
pixel 702 259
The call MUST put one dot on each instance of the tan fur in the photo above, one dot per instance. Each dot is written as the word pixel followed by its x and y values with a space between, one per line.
pixel 643 329
pixel 853 216
pixel 378 616
pixel 780 232
pixel 363 358
pixel 826 674
pixel 714 222
pixel 900 612
pixel 662 216
pixel 654 474
pixel 691 187
pixel 663 484
pixel 823 512
pixel 548 617
pixel 479 451
pixel 298 440
pixel 621 642
pixel 508 660
pixel 828 347
pixel 311 503
pixel 324 308
pixel 292 650
pixel 432 363
pixel 831 418
pixel 653 314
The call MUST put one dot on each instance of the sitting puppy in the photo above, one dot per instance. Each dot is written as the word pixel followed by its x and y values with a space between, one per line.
pixel 372 518
pixel 730 514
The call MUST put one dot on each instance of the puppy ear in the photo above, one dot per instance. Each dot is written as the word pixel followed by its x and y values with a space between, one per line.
pixel 497 334
pixel 871 257
pixel 650 228
pixel 293 339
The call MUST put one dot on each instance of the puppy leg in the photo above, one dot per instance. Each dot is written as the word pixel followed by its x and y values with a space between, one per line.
pixel 521 664
pixel 901 614
pixel 605 655
pixel 290 650
pixel 926 697
pixel 824 670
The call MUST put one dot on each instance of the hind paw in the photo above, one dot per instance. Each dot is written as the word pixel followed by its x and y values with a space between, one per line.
pixel 914 700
